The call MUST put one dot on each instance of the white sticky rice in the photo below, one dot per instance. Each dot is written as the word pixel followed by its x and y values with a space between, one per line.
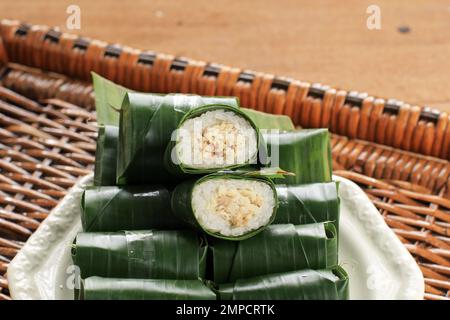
pixel 232 207
pixel 216 139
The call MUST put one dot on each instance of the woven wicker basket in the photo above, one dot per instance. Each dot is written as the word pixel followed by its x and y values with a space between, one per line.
pixel 396 152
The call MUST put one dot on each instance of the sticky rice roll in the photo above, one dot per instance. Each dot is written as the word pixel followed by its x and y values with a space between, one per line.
pixel 214 137
pixel 227 206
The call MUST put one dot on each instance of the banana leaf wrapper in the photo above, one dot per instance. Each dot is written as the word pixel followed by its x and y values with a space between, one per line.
pixel 308 203
pixel 108 100
pixel 173 163
pixel 279 248
pixel 182 202
pixel 106 156
pixel 328 284
pixel 268 121
pixel 109 97
pixel 149 254
pixel 98 288
pixel 307 153
pixel 117 208
pixel 147 122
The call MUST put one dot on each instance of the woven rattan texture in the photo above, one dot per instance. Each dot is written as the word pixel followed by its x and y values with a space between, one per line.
pixel 356 115
pixel 46 144
pixel 47 135
pixel 45 147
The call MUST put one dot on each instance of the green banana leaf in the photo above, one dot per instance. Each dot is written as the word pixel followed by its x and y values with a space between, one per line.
pixel 328 284
pixel 307 153
pixel 127 208
pixel 279 248
pixel 173 163
pixel 150 254
pixel 308 203
pixel 108 100
pixel 147 122
pixel 252 171
pixel 106 156
pixel 97 288
pixel 182 202
pixel 109 97
pixel 268 121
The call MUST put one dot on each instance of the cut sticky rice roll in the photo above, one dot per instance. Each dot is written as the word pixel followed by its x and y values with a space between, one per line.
pixel 215 139
pixel 232 206
pixel 225 205
pixel 147 124
pixel 211 138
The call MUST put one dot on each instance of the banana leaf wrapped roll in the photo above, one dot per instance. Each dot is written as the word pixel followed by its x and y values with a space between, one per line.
pixel 307 153
pixel 226 205
pixel 268 121
pixel 108 100
pixel 98 288
pixel 150 254
pixel 328 284
pixel 211 138
pixel 106 156
pixel 117 208
pixel 308 203
pixel 147 122
pixel 279 248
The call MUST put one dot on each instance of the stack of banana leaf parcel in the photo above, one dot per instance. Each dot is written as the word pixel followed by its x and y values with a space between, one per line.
pixel 197 198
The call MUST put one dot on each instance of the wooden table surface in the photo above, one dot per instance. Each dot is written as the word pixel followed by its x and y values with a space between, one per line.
pixel 316 41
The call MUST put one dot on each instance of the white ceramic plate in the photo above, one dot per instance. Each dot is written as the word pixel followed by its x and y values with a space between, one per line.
pixel 378 264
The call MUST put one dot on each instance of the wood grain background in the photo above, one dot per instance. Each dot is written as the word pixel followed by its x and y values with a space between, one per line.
pixel 316 41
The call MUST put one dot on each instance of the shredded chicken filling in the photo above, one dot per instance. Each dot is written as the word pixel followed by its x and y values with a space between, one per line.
pixel 221 141
pixel 236 206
